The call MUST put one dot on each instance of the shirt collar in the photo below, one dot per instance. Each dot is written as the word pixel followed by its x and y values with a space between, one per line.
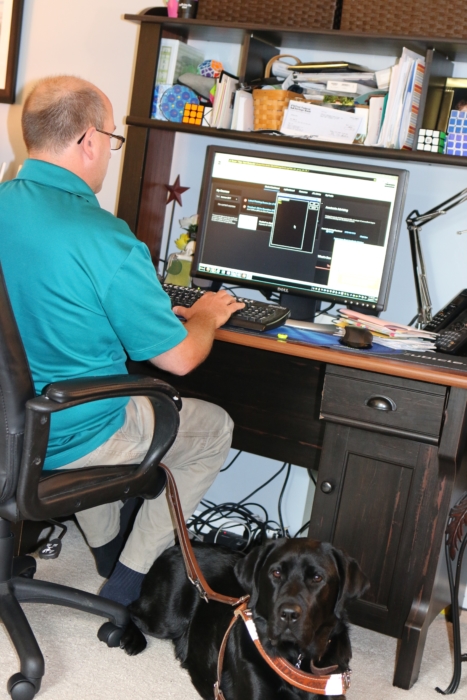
pixel 55 176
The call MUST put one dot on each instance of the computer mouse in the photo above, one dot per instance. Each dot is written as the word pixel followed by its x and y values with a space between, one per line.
pixel 357 337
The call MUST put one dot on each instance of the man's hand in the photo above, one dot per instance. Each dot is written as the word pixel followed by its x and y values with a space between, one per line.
pixel 217 306
pixel 211 311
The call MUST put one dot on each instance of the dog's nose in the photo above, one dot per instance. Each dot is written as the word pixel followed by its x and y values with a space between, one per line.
pixel 290 612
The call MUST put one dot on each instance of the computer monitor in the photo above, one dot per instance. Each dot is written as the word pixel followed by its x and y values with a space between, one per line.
pixel 304 227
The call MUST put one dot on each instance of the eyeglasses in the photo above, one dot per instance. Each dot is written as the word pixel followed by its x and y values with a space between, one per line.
pixel 116 142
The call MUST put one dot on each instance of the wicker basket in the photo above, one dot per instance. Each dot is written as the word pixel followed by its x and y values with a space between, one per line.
pixel 269 105
pixel 423 18
pixel 311 14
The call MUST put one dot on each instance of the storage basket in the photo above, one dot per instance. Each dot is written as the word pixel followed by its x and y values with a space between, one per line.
pixel 423 18
pixel 269 105
pixel 311 14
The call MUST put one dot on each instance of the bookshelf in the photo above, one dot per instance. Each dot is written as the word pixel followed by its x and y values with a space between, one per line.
pixel 148 153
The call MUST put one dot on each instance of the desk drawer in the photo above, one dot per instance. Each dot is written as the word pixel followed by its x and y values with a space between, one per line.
pixel 388 404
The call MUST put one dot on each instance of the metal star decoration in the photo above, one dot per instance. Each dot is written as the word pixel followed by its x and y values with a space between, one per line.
pixel 176 191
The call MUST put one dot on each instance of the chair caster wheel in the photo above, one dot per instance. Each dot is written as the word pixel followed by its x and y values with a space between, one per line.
pixel 22 688
pixel 110 634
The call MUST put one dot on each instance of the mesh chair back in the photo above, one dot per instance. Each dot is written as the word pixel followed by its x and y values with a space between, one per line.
pixel 16 387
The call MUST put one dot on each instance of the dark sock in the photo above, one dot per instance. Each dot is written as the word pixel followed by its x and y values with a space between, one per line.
pixel 124 585
pixel 106 556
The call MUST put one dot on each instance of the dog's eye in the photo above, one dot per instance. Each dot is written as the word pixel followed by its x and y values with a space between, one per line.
pixel 317 578
pixel 277 573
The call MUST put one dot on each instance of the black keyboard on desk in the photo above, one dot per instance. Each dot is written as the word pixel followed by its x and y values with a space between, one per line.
pixel 256 316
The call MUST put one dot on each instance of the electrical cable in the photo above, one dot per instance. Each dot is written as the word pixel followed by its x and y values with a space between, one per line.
pixel 325 311
pixel 279 503
pixel 265 483
pixel 224 469
pixel 302 528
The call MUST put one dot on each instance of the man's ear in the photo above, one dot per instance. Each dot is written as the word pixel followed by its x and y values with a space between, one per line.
pixel 88 144
pixel 353 582
pixel 247 570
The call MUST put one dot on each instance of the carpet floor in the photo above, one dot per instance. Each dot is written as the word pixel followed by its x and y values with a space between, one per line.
pixel 79 667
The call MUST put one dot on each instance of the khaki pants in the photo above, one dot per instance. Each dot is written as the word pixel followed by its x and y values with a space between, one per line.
pixel 199 451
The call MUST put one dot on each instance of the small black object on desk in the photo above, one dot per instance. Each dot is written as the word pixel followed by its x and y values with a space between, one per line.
pixel 357 337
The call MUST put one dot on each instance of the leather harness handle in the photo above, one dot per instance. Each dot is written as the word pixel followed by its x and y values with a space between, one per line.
pixel 194 573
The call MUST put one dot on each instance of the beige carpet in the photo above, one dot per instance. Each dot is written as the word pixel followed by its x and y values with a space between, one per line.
pixel 79 667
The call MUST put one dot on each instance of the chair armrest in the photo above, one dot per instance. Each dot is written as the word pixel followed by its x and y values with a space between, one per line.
pixel 41 498
pixel 75 391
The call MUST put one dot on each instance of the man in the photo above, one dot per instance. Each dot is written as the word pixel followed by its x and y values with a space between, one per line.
pixel 84 292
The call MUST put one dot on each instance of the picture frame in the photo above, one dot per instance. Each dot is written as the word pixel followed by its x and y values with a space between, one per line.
pixel 11 13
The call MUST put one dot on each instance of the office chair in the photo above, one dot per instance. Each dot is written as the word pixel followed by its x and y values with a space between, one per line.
pixel 29 493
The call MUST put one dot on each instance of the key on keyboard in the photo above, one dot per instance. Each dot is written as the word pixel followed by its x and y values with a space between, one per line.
pixel 256 316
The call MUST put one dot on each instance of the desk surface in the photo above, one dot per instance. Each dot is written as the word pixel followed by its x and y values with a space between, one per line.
pixel 447 374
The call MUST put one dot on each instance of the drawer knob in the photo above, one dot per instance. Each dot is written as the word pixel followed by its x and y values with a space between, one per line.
pixel 381 403
pixel 327 487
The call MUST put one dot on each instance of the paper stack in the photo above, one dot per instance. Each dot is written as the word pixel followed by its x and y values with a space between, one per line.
pixel 402 106
pixel 395 335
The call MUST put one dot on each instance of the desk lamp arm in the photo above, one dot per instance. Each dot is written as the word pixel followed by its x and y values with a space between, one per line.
pixel 414 222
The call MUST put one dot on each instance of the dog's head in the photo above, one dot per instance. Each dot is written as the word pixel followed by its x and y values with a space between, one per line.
pixel 298 591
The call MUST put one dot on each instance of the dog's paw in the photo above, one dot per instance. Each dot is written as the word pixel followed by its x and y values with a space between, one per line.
pixel 133 640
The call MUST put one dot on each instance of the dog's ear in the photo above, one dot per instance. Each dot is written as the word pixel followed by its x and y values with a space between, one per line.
pixel 247 569
pixel 353 582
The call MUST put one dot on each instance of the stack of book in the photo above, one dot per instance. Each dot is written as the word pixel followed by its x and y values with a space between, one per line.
pixel 388 332
pixel 224 100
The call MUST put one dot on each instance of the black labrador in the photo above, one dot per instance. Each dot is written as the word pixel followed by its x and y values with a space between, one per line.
pixel 298 591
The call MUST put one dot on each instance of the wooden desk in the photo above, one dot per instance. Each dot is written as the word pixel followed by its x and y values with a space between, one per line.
pixel 386 478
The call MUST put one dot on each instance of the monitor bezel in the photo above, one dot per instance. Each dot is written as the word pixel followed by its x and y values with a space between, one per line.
pixel 394 231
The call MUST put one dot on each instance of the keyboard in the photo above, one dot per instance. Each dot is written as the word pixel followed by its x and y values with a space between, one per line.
pixel 256 316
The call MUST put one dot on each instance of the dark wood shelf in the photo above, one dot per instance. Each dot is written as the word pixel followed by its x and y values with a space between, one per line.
pixel 305 38
pixel 304 144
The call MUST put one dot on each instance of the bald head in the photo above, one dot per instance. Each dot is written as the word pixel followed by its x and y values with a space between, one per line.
pixel 59 110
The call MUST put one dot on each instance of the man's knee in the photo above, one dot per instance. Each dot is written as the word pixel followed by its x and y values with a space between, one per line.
pixel 205 417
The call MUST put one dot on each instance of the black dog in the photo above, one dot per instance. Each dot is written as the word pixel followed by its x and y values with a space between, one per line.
pixel 298 590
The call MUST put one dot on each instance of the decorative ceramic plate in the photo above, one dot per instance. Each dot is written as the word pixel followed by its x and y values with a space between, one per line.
pixel 173 102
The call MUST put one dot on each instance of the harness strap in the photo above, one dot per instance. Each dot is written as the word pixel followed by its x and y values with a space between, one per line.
pixel 334 684
pixel 193 571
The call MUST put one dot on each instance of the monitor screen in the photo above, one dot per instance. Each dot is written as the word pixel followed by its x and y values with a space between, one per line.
pixel 300 226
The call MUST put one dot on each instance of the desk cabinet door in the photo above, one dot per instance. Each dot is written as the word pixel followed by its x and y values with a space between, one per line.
pixel 376 500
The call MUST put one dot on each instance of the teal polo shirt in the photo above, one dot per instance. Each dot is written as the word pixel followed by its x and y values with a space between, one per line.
pixel 85 295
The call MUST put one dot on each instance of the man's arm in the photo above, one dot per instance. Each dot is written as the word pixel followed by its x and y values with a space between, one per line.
pixel 210 312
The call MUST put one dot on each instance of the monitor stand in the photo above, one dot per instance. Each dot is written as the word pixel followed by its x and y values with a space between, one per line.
pixel 301 308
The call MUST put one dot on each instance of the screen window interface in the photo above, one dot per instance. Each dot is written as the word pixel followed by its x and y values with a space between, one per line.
pixel 307 228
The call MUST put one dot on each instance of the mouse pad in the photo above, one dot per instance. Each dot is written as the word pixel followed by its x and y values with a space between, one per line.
pixel 302 335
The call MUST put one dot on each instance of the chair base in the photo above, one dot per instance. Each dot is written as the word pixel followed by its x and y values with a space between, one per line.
pixel 16 589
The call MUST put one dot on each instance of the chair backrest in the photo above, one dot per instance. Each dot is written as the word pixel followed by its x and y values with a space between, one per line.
pixel 16 387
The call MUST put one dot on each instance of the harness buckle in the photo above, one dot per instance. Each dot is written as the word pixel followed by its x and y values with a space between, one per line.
pixel 346 678
pixel 202 593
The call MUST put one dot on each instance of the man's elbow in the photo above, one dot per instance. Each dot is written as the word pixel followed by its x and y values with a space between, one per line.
pixel 180 367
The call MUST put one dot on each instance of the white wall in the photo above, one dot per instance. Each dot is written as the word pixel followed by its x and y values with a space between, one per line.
pixel 90 39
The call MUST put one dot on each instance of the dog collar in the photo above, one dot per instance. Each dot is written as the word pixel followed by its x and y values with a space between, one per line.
pixel 333 684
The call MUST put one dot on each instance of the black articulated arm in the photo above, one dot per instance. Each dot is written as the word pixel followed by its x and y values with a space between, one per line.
pixel 46 495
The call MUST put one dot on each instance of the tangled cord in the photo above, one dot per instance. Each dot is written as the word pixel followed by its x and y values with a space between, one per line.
pixel 215 519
